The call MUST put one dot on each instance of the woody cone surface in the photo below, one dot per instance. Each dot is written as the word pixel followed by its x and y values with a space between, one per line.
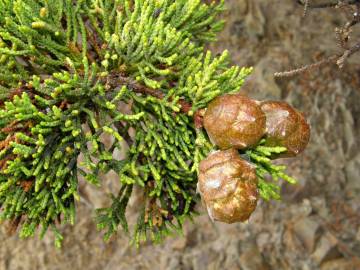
pixel 285 127
pixel 234 121
pixel 228 186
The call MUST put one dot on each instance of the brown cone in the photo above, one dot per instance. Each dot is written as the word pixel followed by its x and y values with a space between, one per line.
pixel 286 127
pixel 234 121
pixel 228 186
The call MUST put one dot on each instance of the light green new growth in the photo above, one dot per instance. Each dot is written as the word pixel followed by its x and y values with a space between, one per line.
pixel 67 70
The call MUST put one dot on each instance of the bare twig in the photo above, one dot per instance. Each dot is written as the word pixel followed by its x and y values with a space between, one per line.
pixel 352 7
pixel 302 69
pixel 340 62
pixel 308 5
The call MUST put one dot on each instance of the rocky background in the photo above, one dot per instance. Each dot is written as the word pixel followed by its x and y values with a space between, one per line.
pixel 316 226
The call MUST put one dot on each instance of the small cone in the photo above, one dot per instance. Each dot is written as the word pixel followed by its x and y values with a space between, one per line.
pixel 234 121
pixel 228 186
pixel 285 127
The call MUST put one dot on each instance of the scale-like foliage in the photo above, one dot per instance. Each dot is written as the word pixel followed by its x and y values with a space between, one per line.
pixel 67 70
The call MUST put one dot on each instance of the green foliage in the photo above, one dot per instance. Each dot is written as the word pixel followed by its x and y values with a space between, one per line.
pixel 67 70
pixel 268 173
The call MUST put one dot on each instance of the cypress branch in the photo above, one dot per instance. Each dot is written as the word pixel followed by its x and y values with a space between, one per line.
pixel 66 70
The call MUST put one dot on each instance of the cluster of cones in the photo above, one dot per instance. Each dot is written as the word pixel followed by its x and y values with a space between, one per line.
pixel 227 183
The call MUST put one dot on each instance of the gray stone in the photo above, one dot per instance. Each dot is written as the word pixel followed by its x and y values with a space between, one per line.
pixel 255 21
pixel 352 171
pixel 342 264
pixel 307 231
pixel 326 249
pixel 251 259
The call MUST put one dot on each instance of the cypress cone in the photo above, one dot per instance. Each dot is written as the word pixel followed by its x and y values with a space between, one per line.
pixel 285 127
pixel 234 121
pixel 228 186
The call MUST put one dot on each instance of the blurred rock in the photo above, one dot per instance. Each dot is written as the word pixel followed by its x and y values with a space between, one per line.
pixel 342 264
pixel 352 171
pixel 179 243
pixel 307 230
pixel 251 259
pixel 326 249
pixel 261 84
pixel 254 21
pixel 263 240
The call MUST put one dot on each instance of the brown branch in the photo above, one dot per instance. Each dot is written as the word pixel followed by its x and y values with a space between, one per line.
pixel 306 7
pixel 302 69
pixel 340 62
pixel 342 36
pixel 116 80
pixel 325 5
pixel 13 225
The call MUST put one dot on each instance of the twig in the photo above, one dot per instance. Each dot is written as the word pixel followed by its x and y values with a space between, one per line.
pixel 293 72
pixel 324 5
pixel 342 35
pixel 306 6
pixel 340 62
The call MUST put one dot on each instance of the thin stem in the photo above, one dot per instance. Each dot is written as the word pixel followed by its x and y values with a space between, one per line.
pixel 302 69
pixel 325 5
pixel 340 62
